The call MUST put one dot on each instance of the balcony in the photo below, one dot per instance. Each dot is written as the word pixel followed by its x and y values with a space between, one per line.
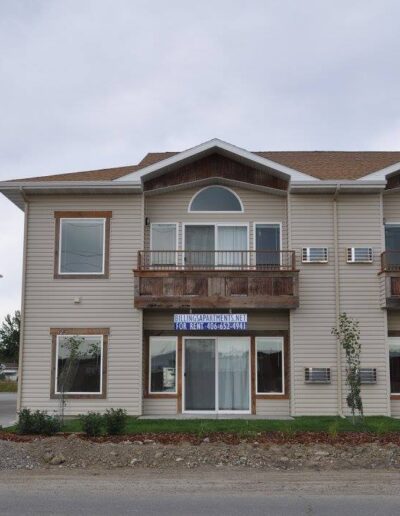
pixel 390 280
pixel 216 279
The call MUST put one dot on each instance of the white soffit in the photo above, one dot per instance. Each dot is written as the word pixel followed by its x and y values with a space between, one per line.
pixel 223 148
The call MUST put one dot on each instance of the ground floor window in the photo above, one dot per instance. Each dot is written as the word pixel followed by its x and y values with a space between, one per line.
pixel 394 357
pixel 270 365
pixel 207 372
pixel 162 359
pixel 79 362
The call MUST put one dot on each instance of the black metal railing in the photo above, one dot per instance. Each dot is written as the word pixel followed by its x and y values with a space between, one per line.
pixel 390 261
pixel 264 260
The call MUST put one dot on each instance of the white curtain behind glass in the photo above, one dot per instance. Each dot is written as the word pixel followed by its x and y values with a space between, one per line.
pixel 231 240
pixel 233 374
pixel 163 243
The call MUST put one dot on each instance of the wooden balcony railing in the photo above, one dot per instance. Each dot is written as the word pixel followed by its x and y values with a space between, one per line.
pixel 390 261
pixel 217 260
pixel 216 279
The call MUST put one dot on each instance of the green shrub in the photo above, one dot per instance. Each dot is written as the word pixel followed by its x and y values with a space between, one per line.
pixel 92 423
pixel 115 421
pixel 37 422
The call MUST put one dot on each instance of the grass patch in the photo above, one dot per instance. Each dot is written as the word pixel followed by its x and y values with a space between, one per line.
pixel 8 386
pixel 202 427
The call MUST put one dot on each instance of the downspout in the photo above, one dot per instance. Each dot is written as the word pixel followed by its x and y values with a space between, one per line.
pixel 337 303
pixel 22 328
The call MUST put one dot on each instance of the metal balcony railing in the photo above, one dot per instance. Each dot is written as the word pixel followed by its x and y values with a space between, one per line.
pixel 390 261
pixel 215 260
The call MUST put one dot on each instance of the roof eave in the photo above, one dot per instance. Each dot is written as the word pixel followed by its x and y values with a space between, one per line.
pixel 17 191
pixel 224 148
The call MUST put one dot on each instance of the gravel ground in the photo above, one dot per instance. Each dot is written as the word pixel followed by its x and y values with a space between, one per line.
pixel 73 452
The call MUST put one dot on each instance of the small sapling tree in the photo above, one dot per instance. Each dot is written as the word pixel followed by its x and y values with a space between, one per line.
pixel 70 355
pixel 348 334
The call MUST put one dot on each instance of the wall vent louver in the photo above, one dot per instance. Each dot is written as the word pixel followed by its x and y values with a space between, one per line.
pixel 314 255
pixel 317 375
pixel 359 255
pixel 368 375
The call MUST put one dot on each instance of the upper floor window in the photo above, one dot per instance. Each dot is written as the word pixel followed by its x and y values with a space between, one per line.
pixel 82 243
pixel 216 198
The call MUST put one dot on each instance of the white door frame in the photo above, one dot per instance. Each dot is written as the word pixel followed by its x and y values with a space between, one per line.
pixel 216 411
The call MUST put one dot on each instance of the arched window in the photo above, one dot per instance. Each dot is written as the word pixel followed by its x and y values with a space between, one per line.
pixel 215 198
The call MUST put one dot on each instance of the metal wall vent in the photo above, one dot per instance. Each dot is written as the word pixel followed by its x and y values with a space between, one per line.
pixel 359 255
pixel 368 375
pixel 314 255
pixel 317 375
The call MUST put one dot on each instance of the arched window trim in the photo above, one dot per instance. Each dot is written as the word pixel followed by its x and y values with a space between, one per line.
pixel 213 211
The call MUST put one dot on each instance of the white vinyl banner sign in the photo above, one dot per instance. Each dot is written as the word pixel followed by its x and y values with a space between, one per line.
pixel 210 321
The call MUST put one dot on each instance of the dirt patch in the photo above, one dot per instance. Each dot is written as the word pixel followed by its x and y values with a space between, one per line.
pixel 74 452
pixel 267 438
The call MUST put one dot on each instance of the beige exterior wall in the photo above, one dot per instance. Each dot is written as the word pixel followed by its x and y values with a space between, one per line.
pixel 104 303
pixel 360 224
pixel 258 207
pixel 312 343
pixel 109 302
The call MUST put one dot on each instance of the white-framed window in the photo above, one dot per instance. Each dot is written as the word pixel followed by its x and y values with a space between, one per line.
pixel 79 364
pixel 162 365
pixel 359 255
pixel 314 255
pixel 216 199
pixel 164 243
pixel 82 246
pixel 270 365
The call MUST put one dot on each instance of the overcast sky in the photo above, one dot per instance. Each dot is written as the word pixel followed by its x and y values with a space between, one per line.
pixel 99 83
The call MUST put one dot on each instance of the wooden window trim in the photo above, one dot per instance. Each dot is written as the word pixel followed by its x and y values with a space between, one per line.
pixel 146 378
pixel 394 333
pixel 286 352
pixel 58 215
pixel 54 332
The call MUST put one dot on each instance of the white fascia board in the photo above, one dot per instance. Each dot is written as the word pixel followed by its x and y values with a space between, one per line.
pixel 166 164
pixel 39 185
pixel 381 174
pixel 332 185
pixel 16 191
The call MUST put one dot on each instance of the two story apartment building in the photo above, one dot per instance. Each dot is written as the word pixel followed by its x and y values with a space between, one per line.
pixel 208 281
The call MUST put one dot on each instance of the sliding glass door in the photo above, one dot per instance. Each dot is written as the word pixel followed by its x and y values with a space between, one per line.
pixel 199 245
pixel 200 374
pixel 221 245
pixel 216 374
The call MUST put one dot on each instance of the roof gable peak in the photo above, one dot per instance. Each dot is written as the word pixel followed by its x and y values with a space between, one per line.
pixel 215 145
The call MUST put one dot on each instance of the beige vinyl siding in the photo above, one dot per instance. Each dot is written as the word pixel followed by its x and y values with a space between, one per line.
pixel 104 303
pixel 273 408
pixel 391 207
pixel 311 341
pixel 159 407
pixel 258 207
pixel 360 224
